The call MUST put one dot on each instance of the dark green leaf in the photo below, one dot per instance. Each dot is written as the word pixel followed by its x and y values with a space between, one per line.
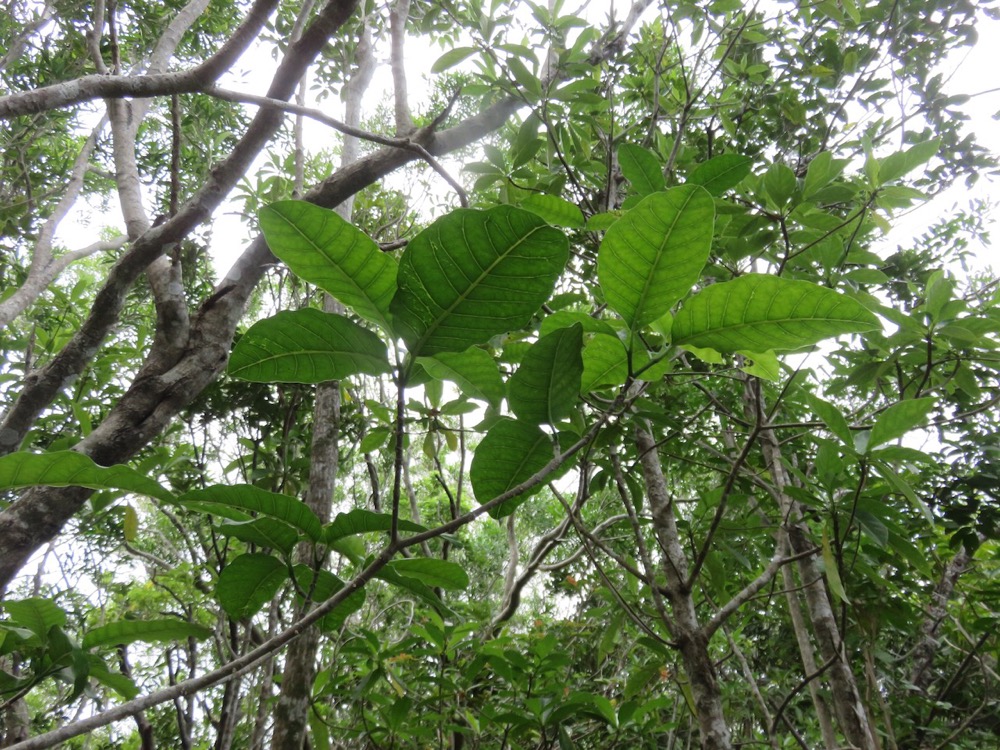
pixel 510 453
pixel 249 499
pixel 248 583
pixel 473 274
pixel 605 363
pixel 654 254
pixel 361 521
pixel 546 386
pixel 267 533
pixel 758 313
pixel 124 632
pixel 436 573
pixel 307 346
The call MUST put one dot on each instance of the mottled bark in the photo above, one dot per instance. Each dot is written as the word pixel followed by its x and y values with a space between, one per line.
pixel 690 638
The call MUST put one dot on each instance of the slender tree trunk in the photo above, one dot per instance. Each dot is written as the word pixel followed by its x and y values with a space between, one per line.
pixel 926 648
pixel 688 634
pixel 847 704
pixel 808 656
pixel 292 712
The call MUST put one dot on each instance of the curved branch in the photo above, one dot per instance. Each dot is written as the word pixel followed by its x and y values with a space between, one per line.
pixel 88 88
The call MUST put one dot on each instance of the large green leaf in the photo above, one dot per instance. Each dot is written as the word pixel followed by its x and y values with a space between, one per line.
pixel 546 386
pixel 307 346
pixel 72 469
pixel 474 371
pixel 555 210
pixel 641 167
pixel 123 632
pixel 361 521
pixel 899 419
pixel 758 313
pixel 322 248
pixel 247 499
pixel 654 254
pixel 436 573
pixel 720 173
pixel 248 583
pixel 473 274
pixel 510 453
pixel 320 587
pixel 35 614
pixel 605 363
pixel 267 533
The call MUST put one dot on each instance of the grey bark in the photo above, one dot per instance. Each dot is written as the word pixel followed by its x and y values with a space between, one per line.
pixel 690 638
pixel 847 704
pixel 927 647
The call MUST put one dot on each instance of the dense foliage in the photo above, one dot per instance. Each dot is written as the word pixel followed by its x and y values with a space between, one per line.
pixel 620 426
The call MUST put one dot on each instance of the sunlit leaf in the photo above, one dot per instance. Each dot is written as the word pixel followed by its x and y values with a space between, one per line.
pixel 757 313
pixel 473 274
pixel 654 254
pixel 320 247
pixel 72 469
pixel 474 371
pixel 641 167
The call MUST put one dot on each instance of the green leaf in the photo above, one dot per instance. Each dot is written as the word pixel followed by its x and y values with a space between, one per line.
pixel 320 247
pixel 641 167
pixel 72 469
pixel 415 587
pixel 756 312
pixel 474 371
pixel 124 632
pixel 546 386
pixel 720 173
pixel 510 453
pixel 264 532
pixel 361 521
pixel 605 363
pixel 555 210
pixel 898 164
pixel 452 58
pixel 833 419
pixel 36 614
pixel 566 318
pixel 819 173
pixel 307 346
pixel 779 184
pixel 436 573
pixel 473 274
pixel 654 254
pixel 832 573
pixel 248 499
pixel 248 583
pixel 899 419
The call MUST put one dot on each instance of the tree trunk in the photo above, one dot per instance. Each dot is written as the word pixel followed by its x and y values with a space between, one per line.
pixel 847 703
pixel 689 636
pixel 292 712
